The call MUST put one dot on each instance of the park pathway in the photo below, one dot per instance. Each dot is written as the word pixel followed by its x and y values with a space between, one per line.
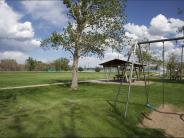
pixel 39 85
pixel 30 86
pixel 137 83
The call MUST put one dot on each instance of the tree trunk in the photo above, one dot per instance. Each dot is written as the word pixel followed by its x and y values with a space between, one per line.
pixel 76 54
pixel 74 84
pixel 170 74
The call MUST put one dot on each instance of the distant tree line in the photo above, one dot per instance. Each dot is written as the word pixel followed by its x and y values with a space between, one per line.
pixel 174 68
pixel 61 64
pixel 10 65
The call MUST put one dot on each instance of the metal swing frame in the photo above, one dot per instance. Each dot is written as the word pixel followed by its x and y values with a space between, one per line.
pixel 142 62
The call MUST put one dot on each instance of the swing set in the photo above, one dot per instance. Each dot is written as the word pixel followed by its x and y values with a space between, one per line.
pixel 138 46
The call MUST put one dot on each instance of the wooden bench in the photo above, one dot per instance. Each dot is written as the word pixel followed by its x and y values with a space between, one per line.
pixel 119 77
pixel 134 79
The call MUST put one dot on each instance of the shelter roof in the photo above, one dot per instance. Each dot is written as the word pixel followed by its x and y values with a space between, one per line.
pixel 114 63
pixel 119 62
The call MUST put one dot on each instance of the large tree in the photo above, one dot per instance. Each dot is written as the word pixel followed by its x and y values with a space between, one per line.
pixel 61 64
pixel 173 66
pixel 40 66
pixel 30 64
pixel 94 25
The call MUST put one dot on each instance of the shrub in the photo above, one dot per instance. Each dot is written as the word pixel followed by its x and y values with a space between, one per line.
pixel 80 69
pixel 97 69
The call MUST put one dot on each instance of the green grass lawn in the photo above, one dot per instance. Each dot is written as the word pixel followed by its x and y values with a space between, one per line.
pixel 29 78
pixel 56 111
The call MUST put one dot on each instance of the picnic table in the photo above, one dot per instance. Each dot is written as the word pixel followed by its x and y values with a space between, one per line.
pixel 121 77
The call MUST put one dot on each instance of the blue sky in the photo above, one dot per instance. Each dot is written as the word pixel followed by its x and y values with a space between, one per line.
pixel 142 11
pixel 37 19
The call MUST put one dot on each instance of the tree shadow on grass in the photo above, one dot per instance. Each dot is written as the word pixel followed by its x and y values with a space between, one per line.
pixel 130 126
pixel 67 83
pixel 19 128
pixel 14 118
pixel 6 98
pixel 168 81
pixel 60 81
pixel 115 109
pixel 68 119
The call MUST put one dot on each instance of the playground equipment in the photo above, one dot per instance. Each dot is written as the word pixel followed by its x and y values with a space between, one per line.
pixel 137 46
pixel 121 67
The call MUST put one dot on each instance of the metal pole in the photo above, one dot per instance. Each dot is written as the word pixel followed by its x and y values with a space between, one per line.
pixel 181 62
pixel 145 82
pixel 123 73
pixel 130 81
pixel 148 72
pixel 106 72
pixel 163 84
pixel 109 73
pixel 117 95
pixel 161 40
pixel 60 64
pixel 182 57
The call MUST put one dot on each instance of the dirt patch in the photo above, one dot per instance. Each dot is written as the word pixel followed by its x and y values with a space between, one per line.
pixel 103 81
pixel 170 123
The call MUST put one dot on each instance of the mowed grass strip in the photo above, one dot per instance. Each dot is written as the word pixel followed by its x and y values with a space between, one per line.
pixel 56 111
pixel 10 79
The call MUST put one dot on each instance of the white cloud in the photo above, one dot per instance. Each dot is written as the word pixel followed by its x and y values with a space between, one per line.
pixel 131 35
pixel 88 61
pixel 139 31
pixel 160 25
pixel 10 25
pixel 35 43
pixel 19 56
pixel 94 61
pixel 24 30
pixel 18 45
pixel 15 35
pixel 175 23
pixel 8 19
pixel 160 28
pixel 52 11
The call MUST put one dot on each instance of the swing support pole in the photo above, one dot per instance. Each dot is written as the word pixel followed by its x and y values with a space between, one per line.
pixel 161 40
pixel 148 66
pixel 163 78
pixel 145 81
pixel 130 82
pixel 181 62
